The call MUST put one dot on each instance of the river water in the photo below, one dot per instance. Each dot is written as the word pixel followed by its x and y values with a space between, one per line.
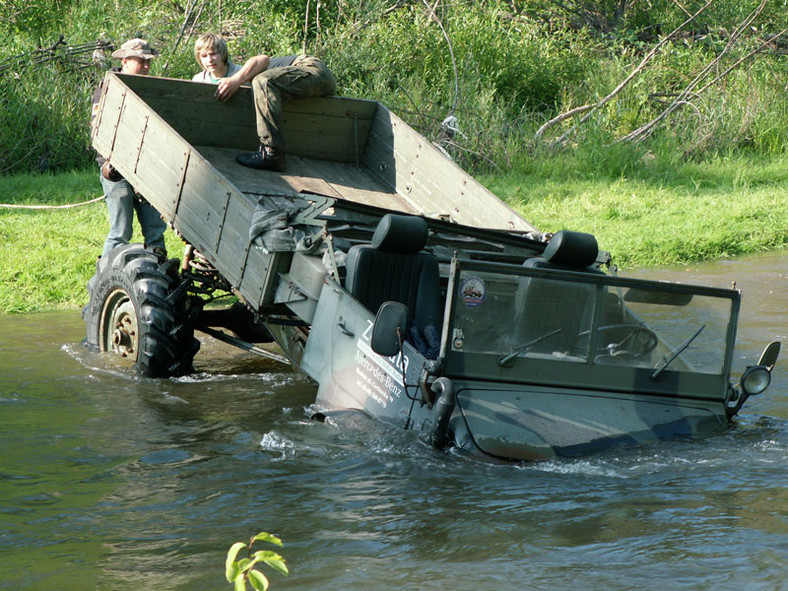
pixel 108 481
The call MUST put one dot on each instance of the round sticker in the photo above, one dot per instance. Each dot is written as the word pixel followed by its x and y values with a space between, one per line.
pixel 473 291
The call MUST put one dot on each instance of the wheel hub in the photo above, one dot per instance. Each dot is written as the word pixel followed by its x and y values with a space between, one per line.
pixel 123 337
pixel 121 333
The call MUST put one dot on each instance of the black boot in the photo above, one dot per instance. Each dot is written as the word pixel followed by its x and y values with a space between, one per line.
pixel 266 158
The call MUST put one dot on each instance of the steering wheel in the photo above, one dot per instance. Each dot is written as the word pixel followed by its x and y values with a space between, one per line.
pixel 623 340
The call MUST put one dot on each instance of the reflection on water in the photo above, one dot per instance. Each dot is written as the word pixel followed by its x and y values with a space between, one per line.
pixel 109 481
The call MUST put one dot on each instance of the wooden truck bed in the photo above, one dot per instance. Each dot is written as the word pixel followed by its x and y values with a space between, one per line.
pixel 307 176
pixel 176 144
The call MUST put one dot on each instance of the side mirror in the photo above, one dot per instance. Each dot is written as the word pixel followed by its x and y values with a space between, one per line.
pixel 391 324
pixel 769 355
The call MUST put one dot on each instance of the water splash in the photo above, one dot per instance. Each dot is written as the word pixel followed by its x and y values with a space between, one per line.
pixel 276 443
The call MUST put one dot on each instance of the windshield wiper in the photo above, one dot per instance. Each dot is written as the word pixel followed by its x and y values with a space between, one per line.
pixel 668 359
pixel 503 361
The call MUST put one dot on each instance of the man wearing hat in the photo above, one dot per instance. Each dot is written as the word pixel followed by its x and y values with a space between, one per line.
pixel 122 200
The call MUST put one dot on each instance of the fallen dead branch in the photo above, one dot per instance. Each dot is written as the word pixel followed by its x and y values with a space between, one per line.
pixel 681 99
pixel 71 57
pixel 589 110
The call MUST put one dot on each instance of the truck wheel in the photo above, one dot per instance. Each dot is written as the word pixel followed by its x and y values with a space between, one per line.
pixel 139 310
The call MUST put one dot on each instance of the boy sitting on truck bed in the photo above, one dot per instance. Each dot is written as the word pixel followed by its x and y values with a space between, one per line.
pixel 273 79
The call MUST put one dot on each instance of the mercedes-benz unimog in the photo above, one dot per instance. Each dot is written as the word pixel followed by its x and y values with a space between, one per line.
pixel 399 284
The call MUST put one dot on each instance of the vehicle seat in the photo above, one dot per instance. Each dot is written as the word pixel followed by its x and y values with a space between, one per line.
pixel 548 305
pixel 394 268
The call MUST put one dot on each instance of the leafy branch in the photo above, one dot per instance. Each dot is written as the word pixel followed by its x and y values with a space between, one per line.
pixel 239 571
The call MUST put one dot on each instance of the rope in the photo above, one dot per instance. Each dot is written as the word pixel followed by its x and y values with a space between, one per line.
pixel 66 206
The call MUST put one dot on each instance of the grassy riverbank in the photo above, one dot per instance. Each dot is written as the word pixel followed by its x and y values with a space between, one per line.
pixel 49 254
pixel 650 213
pixel 646 213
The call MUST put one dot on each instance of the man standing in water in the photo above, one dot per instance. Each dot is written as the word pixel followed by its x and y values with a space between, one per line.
pixel 274 79
pixel 121 198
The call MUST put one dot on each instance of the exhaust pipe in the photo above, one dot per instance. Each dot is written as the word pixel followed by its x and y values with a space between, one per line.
pixel 445 404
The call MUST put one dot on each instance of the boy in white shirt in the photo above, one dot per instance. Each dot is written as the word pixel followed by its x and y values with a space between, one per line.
pixel 273 79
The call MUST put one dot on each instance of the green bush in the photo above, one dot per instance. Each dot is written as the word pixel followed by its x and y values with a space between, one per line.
pixel 44 120
pixel 502 68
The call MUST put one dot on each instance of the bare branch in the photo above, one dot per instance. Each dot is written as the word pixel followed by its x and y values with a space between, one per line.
pixel 681 7
pixel 562 117
pixel 306 26
pixel 644 62
pixel 394 7
pixel 738 62
pixel 434 17
pixel 647 129
pixel 189 21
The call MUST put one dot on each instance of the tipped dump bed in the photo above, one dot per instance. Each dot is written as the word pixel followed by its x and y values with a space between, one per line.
pixel 177 144
pixel 351 149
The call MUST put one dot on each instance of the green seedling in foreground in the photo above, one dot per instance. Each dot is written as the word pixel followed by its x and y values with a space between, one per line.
pixel 239 571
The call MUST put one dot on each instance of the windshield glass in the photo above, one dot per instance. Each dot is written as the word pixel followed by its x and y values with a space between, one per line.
pixel 591 319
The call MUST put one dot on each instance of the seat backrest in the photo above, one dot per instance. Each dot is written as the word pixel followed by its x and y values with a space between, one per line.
pixel 549 305
pixel 394 268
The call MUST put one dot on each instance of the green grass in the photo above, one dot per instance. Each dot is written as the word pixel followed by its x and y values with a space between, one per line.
pixel 698 212
pixel 48 255
pixel 656 213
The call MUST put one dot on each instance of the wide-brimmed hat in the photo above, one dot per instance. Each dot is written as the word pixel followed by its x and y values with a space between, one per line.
pixel 135 48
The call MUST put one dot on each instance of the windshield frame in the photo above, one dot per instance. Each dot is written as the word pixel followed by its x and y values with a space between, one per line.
pixel 586 373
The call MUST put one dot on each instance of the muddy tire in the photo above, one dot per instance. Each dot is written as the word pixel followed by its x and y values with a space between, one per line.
pixel 139 310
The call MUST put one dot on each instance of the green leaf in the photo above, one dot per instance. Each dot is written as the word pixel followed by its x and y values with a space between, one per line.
pixel 279 565
pixel 265 555
pixel 272 559
pixel 258 580
pixel 232 572
pixel 240 583
pixel 229 563
pixel 266 537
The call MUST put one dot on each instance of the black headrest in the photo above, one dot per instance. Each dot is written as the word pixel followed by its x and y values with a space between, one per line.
pixel 406 234
pixel 571 249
